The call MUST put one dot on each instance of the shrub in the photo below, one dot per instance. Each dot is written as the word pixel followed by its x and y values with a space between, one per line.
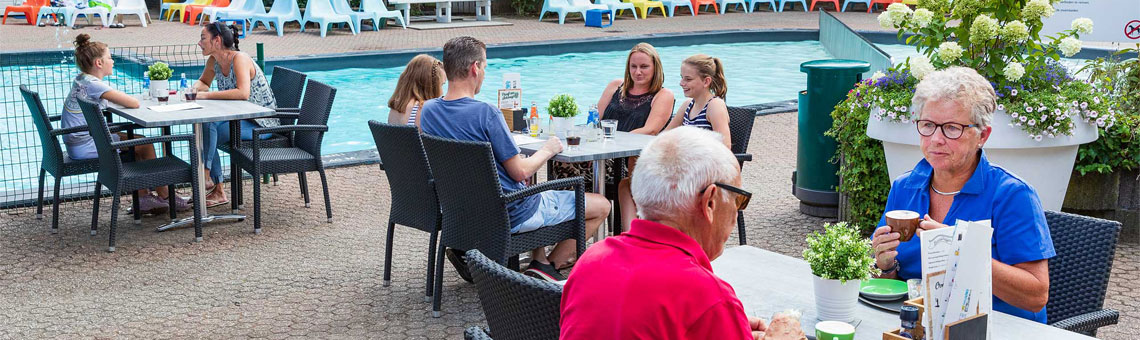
pixel 562 106
pixel 840 253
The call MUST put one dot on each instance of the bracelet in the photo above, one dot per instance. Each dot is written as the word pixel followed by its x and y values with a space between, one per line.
pixel 894 267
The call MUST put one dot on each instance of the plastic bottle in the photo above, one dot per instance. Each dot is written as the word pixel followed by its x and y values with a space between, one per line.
pixel 146 85
pixel 532 122
pixel 533 110
pixel 593 122
pixel 183 87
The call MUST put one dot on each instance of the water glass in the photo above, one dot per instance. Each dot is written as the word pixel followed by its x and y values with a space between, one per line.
pixel 609 126
pixel 191 94
pixel 913 288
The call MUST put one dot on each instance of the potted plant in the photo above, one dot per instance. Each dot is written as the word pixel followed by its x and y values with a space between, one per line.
pixel 562 110
pixel 840 259
pixel 159 74
pixel 1043 113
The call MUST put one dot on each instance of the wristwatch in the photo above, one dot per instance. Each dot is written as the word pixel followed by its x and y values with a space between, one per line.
pixel 894 267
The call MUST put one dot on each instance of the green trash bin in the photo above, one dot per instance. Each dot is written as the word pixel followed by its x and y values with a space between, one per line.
pixel 815 179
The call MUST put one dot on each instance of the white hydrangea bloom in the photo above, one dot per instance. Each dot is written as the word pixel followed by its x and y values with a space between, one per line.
pixel 949 52
pixel 1015 31
pixel 1013 71
pixel 920 66
pixel 922 17
pixel 1070 46
pixel 1037 9
pixel 1083 25
pixel 886 21
pixel 983 29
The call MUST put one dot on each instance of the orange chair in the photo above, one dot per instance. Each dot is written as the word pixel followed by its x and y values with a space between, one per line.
pixel 193 11
pixel 698 3
pixel 30 9
pixel 834 2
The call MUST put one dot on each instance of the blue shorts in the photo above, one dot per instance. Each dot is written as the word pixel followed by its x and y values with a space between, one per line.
pixel 86 150
pixel 554 207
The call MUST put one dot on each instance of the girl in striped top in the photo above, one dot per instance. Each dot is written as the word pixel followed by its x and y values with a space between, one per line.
pixel 702 79
pixel 421 80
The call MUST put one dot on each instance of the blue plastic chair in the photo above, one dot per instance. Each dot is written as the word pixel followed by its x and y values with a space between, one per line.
pixel 771 4
pixel 248 9
pixel 848 2
pixel 322 13
pixel 382 12
pixel 283 11
pixel 802 2
pixel 723 4
pixel 671 6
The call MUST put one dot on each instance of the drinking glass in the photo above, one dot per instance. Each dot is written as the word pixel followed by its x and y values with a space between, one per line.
pixel 162 97
pixel 532 125
pixel 608 128
pixel 191 94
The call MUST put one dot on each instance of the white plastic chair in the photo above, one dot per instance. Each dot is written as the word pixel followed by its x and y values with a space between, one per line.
pixel 561 7
pixel 212 12
pixel 321 12
pixel 723 5
pixel 616 5
pixel 671 6
pixel 74 13
pixel 249 9
pixel 342 7
pixel 382 12
pixel 283 11
pixel 130 7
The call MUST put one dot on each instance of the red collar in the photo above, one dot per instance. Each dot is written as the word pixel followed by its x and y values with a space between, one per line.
pixel 662 234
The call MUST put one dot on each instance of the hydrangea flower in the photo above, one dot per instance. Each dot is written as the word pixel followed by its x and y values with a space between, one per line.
pixel 1037 9
pixel 886 21
pixel 920 66
pixel 1015 31
pixel 1082 25
pixel 949 51
pixel 1013 71
pixel 983 29
pixel 922 17
pixel 1069 46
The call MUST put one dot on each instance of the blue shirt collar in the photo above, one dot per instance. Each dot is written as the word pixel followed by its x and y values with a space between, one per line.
pixel 920 176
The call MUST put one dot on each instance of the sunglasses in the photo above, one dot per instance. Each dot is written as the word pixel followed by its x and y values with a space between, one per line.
pixel 742 196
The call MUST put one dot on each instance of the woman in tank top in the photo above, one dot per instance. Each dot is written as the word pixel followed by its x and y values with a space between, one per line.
pixel 421 80
pixel 639 103
pixel 238 78
pixel 702 79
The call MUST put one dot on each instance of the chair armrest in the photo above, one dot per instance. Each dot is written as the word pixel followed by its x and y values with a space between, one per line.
pixel 1088 322
pixel 153 140
pixel 576 182
pixel 116 127
pixel 55 118
pixel 743 157
pixel 288 110
pixel 286 115
pixel 476 333
pixel 284 128
pixel 69 130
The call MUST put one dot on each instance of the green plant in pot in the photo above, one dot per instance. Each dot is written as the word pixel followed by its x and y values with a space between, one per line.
pixel 159 74
pixel 840 259
pixel 562 110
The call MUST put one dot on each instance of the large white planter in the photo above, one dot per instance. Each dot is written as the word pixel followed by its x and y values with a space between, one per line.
pixel 835 301
pixel 1045 165
pixel 561 126
pixel 159 87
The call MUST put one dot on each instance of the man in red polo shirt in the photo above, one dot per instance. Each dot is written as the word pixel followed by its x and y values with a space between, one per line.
pixel 655 281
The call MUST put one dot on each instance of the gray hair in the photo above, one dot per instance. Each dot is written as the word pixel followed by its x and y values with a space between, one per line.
pixel 676 167
pixel 459 53
pixel 961 85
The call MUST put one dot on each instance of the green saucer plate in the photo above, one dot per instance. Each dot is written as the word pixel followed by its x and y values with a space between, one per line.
pixel 883 289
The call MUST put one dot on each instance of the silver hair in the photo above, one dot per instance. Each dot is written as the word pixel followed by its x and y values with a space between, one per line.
pixel 961 85
pixel 676 167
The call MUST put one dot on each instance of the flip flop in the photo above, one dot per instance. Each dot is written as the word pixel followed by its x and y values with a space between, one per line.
pixel 211 204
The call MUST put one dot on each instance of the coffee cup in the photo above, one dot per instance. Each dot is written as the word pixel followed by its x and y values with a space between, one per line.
pixel 904 222
pixel 834 330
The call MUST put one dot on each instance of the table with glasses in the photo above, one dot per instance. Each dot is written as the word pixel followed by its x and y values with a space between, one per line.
pixel 211 111
pixel 623 144
pixel 767 282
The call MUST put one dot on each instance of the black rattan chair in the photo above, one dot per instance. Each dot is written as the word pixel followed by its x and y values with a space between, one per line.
pixel 1078 275
pixel 516 306
pixel 413 191
pixel 740 122
pixel 287 86
pixel 475 207
pixel 304 155
pixel 120 177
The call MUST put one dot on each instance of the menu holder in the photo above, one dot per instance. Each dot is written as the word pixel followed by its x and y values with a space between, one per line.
pixel 918 329
pixel 516 119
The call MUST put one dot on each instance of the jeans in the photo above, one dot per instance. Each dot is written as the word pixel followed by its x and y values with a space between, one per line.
pixel 211 138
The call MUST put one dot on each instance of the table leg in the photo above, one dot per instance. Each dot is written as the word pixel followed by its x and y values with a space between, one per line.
pixel 600 189
pixel 200 201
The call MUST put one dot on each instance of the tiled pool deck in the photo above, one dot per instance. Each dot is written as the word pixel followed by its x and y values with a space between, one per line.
pixel 304 278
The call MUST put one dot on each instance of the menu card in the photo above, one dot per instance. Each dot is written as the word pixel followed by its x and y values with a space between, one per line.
pixel 952 294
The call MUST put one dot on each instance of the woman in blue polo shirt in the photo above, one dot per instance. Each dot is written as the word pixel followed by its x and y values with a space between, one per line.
pixel 955 181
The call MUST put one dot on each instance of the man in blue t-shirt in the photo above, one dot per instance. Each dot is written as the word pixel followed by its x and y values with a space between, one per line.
pixel 458 115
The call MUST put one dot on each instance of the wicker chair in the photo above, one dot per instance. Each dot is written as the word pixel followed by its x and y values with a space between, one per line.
pixel 303 155
pixel 475 207
pixel 122 177
pixel 516 306
pixel 413 191
pixel 54 161
pixel 740 122
pixel 287 86
pixel 1078 275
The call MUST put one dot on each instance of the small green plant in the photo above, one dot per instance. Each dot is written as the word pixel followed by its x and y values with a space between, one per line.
pixel 159 71
pixel 562 106
pixel 840 253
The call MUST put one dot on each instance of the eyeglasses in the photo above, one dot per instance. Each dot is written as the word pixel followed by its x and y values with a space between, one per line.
pixel 949 129
pixel 742 196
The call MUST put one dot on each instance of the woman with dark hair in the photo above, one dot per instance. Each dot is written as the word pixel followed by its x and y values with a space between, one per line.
pixel 238 78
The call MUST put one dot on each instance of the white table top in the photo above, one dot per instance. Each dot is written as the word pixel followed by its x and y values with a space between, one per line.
pixel 624 144
pixel 768 282
pixel 211 111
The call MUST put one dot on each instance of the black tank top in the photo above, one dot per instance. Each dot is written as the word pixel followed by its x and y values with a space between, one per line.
pixel 631 111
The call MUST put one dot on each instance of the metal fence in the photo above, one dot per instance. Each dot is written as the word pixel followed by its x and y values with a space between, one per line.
pixel 51 73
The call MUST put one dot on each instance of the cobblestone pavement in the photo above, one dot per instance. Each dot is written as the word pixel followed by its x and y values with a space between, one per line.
pixel 305 278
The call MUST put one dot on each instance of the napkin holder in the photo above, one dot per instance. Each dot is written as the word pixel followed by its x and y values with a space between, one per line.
pixel 516 119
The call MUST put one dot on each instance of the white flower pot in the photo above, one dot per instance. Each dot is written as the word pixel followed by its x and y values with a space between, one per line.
pixel 159 87
pixel 835 301
pixel 561 125
pixel 1045 165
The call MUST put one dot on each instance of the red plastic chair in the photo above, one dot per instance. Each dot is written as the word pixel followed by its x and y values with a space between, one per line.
pixel 698 3
pixel 885 3
pixel 834 2
pixel 30 9
pixel 193 11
